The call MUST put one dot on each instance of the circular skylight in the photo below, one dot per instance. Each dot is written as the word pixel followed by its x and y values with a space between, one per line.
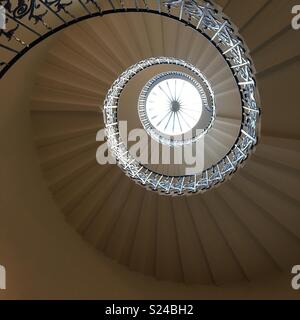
pixel 174 105
pixel 176 108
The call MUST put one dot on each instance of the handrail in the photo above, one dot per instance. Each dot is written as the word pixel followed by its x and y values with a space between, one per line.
pixel 31 21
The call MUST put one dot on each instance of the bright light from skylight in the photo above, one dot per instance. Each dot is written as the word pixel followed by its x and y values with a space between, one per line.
pixel 174 106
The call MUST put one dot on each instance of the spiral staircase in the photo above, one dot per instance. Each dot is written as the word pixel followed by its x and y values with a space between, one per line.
pixel 238 240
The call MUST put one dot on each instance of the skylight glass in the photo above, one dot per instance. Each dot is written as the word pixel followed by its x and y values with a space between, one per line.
pixel 174 106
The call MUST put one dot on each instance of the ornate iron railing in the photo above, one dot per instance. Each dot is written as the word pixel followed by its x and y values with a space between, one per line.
pixel 156 181
pixel 31 21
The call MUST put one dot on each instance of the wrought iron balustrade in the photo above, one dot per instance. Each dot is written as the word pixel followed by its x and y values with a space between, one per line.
pixel 28 22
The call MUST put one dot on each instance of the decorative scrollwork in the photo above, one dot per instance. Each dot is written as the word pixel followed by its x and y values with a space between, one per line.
pixel 60 5
pixel 29 8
